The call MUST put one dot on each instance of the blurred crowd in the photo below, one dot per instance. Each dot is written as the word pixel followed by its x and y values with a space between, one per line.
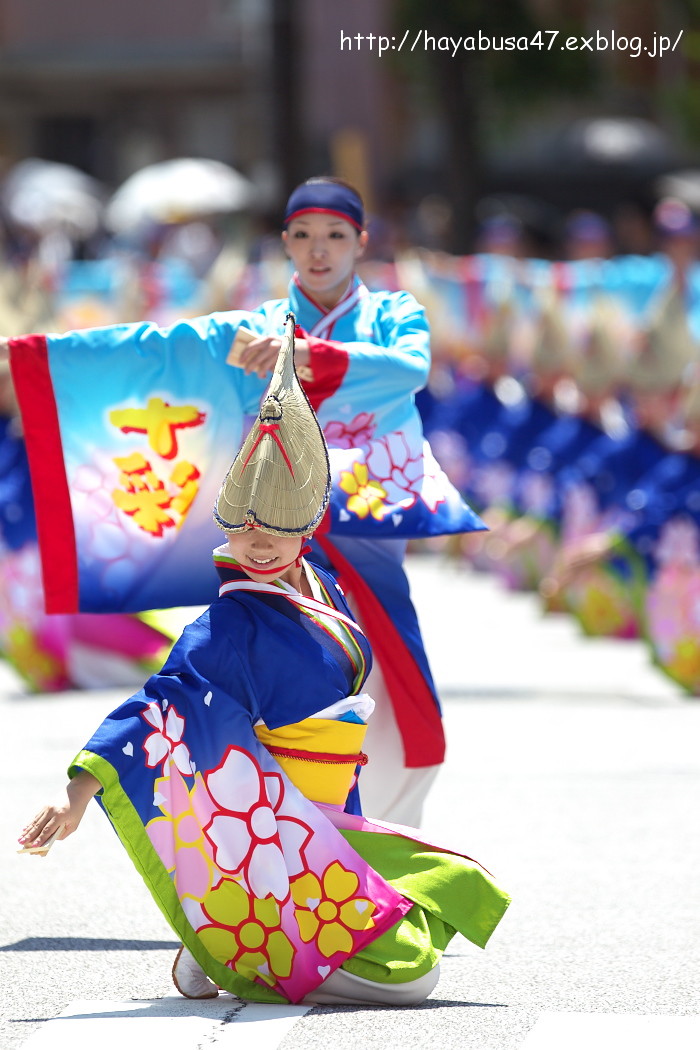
pixel 564 398
pixel 565 404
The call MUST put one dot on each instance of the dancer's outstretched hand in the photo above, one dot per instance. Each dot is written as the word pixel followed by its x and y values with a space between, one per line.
pixel 60 819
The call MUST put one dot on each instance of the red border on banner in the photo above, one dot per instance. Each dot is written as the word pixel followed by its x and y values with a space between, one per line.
pixel 29 361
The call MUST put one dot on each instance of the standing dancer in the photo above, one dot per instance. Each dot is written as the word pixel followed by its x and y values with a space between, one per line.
pixel 364 354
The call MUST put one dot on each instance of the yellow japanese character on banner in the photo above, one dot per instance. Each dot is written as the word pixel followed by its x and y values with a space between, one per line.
pixel 153 503
pixel 159 421
pixel 185 476
pixel 145 498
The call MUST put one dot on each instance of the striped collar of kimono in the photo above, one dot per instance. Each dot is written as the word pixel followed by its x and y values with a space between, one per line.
pixel 322 328
pixel 306 604
pixel 320 610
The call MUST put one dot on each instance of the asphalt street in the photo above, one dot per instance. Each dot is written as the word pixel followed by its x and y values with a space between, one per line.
pixel 572 775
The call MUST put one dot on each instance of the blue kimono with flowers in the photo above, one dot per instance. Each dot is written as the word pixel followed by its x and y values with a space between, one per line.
pixel 269 888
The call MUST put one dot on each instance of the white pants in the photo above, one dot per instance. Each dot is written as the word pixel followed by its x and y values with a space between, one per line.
pixel 346 989
pixel 389 790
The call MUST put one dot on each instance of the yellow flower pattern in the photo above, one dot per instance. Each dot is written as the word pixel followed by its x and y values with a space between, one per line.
pixel 246 934
pixel 328 912
pixel 366 497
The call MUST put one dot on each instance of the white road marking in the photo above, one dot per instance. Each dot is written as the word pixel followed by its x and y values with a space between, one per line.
pixel 578 1031
pixel 267 1026
pixel 175 1022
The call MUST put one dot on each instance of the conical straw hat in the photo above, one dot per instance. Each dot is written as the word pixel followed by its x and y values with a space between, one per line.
pixel 690 406
pixel 280 480
pixel 599 362
pixel 551 350
pixel 667 346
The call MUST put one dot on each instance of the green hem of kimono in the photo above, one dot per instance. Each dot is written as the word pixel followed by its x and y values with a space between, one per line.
pixel 134 838
pixel 450 894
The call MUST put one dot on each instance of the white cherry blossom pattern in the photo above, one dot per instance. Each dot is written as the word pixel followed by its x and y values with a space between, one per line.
pixel 407 474
pixel 166 742
pixel 253 831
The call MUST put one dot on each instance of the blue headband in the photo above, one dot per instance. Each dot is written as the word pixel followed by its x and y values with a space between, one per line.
pixel 330 198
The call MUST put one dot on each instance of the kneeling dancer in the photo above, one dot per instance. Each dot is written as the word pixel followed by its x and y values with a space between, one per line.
pixel 231 778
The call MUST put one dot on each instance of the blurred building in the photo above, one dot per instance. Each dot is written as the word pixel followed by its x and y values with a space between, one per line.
pixel 281 89
pixel 112 87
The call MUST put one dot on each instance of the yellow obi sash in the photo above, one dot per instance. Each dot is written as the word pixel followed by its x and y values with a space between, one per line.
pixel 319 755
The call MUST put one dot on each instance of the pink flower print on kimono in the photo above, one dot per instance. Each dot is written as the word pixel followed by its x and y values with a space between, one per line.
pixel 673 603
pixel 408 474
pixel 178 835
pixel 254 834
pixel 617 519
pixel 678 544
pixel 166 742
pixel 22 593
pixel 673 618
pixel 356 434
pixel 580 514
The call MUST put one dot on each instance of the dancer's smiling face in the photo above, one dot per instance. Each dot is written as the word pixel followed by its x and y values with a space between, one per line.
pixel 259 554
pixel 324 249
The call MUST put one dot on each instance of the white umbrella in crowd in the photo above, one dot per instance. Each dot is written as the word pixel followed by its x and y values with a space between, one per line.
pixel 46 197
pixel 683 185
pixel 180 190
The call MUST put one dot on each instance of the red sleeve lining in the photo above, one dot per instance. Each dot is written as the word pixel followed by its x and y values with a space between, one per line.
pixel 31 376
pixel 329 362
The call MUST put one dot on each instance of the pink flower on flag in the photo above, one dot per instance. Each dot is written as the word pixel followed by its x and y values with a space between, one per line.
pixel 166 741
pixel 355 434
pixel 253 832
